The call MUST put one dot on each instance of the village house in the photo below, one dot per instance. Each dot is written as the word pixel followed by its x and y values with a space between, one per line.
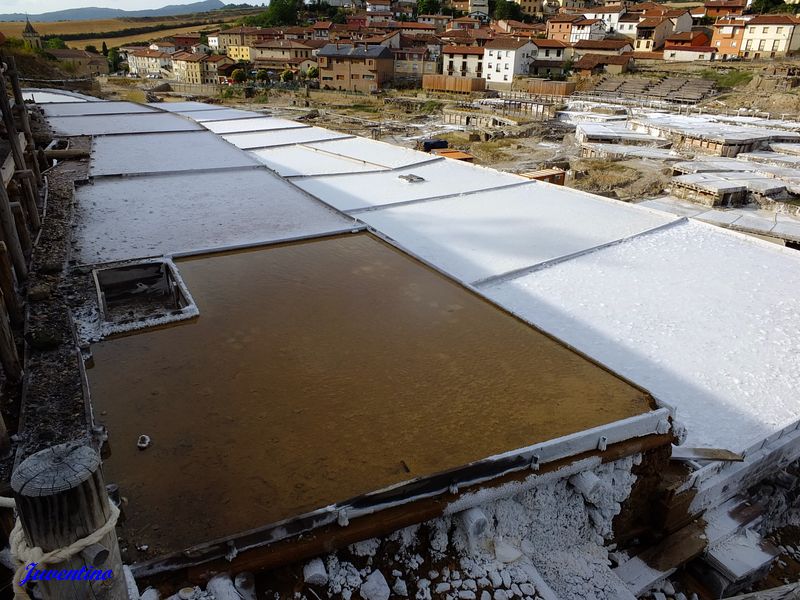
pixel 504 58
pixel 240 53
pixel 549 56
pixel 627 24
pixel 355 68
pixel 213 41
pixel 463 61
pixel 80 62
pixel 379 5
pixel 531 7
pixel 216 67
pixel 768 36
pixel 559 27
pixel 587 29
pixel 688 53
pixel 439 22
pixel 185 41
pixel 411 63
pixel 283 54
pixel 728 36
pixel 610 15
pixel 592 64
pixel 464 23
pixel 242 37
pixel 651 33
pixel 187 67
pixel 608 47
pixel 164 46
pixel 322 30
pixel 410 27
pixel 148 62
pixel 518 27
pixel 723 8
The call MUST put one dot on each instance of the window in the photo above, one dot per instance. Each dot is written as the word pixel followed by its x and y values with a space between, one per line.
pixel 751 29
pixel 761 44
pixel 764 29
pixel 672 54
pixel 779 30
pixel 505 77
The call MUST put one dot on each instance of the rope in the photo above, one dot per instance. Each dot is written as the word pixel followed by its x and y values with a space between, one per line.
pixel 25 554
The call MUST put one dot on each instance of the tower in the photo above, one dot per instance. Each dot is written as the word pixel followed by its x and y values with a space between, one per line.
pixel 31 36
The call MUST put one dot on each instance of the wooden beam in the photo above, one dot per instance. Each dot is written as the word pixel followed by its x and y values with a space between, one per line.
pixel 681 453
pixel 9 356
pixel 8 227
pixel 8 288
pixel 383 522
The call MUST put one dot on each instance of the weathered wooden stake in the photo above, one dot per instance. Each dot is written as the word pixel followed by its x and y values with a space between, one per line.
pixel 23 109
pixel 29 185
pixel 8 349
pixel 8 288
pixel 61 498
pixel 22 227
pixel 10 235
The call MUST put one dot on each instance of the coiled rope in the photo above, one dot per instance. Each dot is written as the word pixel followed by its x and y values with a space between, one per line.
pixel 24 554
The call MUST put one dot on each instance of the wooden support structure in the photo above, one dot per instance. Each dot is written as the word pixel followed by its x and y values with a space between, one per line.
pixel 9 356
pixel 30 186
pixel 10 235
pixel 19 101
pixel 61 498
pixel 8 288
pixel 785 592
pixel 22 228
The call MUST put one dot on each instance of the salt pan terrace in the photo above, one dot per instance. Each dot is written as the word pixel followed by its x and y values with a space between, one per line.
pixel 669 304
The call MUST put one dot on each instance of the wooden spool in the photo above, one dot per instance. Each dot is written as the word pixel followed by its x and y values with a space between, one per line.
pixel 61 498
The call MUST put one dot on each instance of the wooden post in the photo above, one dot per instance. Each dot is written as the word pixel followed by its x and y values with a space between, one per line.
pixel 7 287
pixel 30 189
pixel 26 124
pixel 61 498
pixel 8 348
pixel 22 227
pixel 11 236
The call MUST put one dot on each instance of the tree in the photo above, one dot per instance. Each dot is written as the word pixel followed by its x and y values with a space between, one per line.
pixel 312 73
pixel 429 7
pixel 339 17
pixel 506 9
pixel 55 43
pixel 279 12
pixel 113 60
pixel 239 76
pixel 262 75
pixel 765 6
pixel 91 48
pixel 287 75
pixel 104 49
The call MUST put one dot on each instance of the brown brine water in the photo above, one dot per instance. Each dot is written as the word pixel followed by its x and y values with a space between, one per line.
pixel 318 371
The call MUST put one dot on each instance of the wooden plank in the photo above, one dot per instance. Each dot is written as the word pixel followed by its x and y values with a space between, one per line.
pixel 785 592
pixel 682 453
pixel 657 562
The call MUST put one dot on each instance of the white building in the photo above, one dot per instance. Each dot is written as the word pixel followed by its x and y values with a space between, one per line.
pixel 462 61
pixel 213 42
pixel 506 57
pixel 148 62
pixel 768 36
pixel 587 29
pixel 610 15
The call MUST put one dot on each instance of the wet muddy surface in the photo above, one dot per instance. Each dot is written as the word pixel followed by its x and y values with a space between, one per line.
pixel 318 371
